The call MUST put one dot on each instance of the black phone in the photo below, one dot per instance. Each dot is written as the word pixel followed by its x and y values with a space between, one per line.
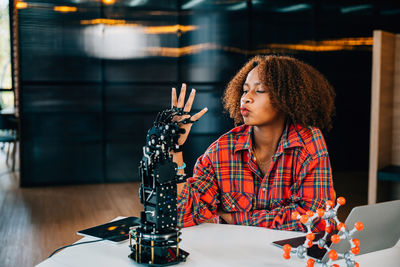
pixel 314 252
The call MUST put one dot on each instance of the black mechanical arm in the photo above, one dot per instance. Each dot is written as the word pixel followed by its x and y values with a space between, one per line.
pixel 157 237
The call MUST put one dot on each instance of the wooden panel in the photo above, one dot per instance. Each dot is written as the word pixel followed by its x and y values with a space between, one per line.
pixel 396 106
pixel 381 107
pixel 386 100
pixel 385 107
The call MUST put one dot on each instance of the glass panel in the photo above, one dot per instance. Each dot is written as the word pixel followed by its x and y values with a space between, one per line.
pixel 49 162
pixel 55 43
pixel 215 48
pixel 61 98
pixel 5 58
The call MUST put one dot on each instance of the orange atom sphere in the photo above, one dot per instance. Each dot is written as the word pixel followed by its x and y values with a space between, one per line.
pixel 355 250
pixel 357 265
pixel 295 214
pixel 340 226
pixel 333 255
pixel 359 226
pixel 356 242
pixel 310 263
pixel 310 213
pixel 335 239
pixel 335 265
pixel 329 229
pixel 330 203
pixel 287 248
pixel 286 255
pixel 310 244
pixel 310 236
pixel 320 212
pixel 303 219
pixel 341 201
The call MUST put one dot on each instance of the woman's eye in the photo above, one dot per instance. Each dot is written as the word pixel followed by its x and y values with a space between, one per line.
pixel 260 91
pixel 245 91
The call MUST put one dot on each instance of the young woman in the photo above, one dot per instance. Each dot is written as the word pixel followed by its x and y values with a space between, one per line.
pixel 276 162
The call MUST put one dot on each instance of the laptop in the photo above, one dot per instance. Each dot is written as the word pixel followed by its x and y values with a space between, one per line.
pixel 381 230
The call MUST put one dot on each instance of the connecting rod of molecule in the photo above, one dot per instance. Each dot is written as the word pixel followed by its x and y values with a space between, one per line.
pixel 330 213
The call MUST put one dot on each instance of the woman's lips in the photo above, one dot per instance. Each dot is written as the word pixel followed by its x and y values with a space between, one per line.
pixel 244 112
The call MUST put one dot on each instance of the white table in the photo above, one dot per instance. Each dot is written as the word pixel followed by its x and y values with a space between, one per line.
pixel 211 245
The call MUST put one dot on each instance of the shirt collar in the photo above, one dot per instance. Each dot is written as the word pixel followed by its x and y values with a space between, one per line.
pixel 291 137
pixel 244 140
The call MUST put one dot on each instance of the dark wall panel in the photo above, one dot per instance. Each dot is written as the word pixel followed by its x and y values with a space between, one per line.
pixel 61 148
pixel 125 137
pixel 53 45
pixel 281 22
pixel 72 126
pixel 130 112
pixel 137 97
pixel 62 162
pixel 352 19
pixel 141 70
pixel 350 74
pixel 61 98
pixel 217 47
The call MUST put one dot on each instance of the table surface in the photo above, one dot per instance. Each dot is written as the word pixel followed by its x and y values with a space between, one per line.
pixel 211 245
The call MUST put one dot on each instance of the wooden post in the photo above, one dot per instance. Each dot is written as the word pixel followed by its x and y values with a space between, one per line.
pixel 384 122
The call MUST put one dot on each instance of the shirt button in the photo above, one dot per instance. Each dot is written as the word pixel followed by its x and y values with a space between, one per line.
pixel 233 205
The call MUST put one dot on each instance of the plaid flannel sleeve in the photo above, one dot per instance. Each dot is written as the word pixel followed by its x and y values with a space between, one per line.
pixel 312 189
pixel 198 200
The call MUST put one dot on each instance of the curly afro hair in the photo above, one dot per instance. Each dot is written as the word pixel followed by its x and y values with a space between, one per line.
pixel 296 89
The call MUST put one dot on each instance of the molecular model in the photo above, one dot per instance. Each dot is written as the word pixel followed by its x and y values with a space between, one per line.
pixel 330 212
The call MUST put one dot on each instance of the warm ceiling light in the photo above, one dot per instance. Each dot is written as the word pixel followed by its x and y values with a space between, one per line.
pixel 21 5
pixel 106 22
pixel 108 2
pixel 321 46
pixel 170 29
pixel 65 9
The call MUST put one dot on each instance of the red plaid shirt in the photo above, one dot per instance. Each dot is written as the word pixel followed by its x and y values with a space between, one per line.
pixel 227 176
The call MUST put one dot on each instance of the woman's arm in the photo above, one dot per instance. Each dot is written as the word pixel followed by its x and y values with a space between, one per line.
pixel 312 189
pixel 178 159
pixel 198 198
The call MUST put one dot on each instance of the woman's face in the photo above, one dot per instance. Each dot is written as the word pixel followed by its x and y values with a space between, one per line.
pixel 255 104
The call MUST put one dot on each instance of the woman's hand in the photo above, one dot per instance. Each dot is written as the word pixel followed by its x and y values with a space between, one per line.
pixel 187 107
pixel 226 216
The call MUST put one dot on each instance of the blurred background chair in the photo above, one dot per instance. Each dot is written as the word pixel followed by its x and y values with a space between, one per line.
pixel 9 136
